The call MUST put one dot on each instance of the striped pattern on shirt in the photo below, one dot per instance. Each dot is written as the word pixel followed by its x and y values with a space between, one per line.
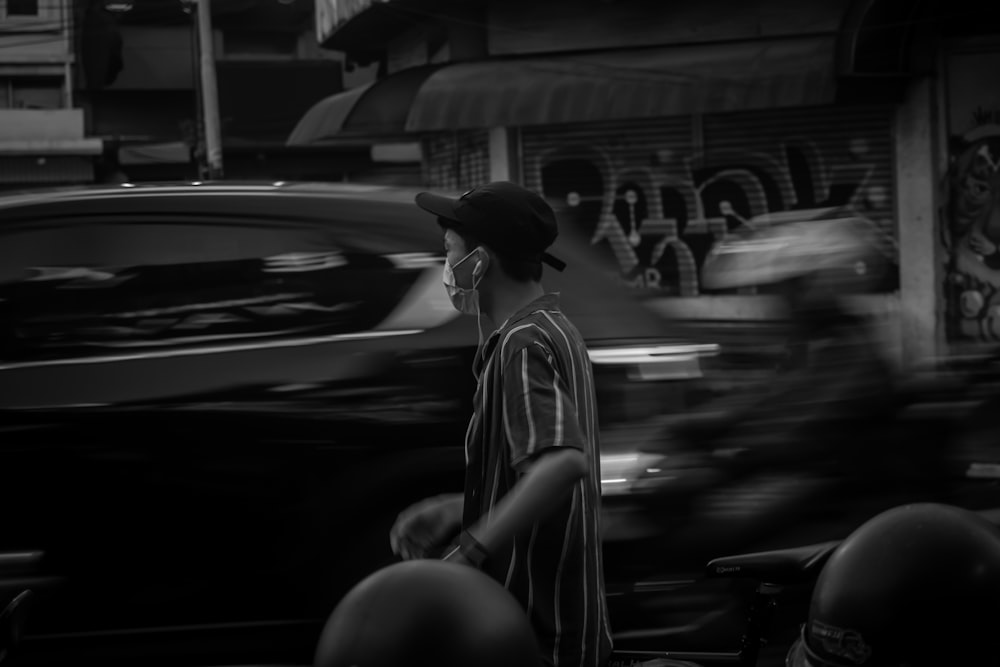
pixel 535 393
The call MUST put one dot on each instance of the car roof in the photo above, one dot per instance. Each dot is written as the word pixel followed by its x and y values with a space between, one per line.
pixel 311 200
pixel 377 217
pixel 186 188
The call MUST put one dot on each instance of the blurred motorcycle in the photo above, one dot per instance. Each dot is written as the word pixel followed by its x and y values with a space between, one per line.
pixel 815 449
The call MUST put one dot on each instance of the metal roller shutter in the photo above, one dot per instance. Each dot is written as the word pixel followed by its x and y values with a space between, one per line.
pixel 456 160
pixel 796 163
pixel 695 178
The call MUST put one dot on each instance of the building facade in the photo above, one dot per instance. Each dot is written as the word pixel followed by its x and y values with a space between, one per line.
pixel 107 91
pixel 43 138
pixel 668 125
pixel 268 69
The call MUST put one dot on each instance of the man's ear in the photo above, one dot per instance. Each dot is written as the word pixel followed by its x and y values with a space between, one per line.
pixel 483 260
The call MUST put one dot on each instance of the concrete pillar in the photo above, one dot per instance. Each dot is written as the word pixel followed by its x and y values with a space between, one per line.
pixel 504 155
pixel 917 178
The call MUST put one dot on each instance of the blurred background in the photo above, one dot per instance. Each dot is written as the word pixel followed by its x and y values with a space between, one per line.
pixel 784 233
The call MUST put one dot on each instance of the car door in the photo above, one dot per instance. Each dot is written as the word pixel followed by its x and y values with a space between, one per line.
pixel 211 427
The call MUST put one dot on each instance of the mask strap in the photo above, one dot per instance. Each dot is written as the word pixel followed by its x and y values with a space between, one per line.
pixel 482 261
pixel 479 330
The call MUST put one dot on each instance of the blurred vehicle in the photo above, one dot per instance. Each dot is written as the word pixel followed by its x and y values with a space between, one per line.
pixel 808 449
pixel 216 398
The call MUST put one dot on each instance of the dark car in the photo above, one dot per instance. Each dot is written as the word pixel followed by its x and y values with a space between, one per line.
pixel 215 399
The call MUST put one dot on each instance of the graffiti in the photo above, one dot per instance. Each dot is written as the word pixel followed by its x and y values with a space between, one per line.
pixel 971 237
pixel 655 214
pixel 969 221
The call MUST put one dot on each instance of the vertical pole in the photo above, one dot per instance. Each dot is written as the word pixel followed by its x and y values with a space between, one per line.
pixel 916 162
pixel 505 154
pixel 209 91
pixel 500 157
pixel 199 107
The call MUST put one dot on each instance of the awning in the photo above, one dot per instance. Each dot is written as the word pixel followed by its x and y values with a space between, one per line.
pixel 378 109
pixel 637 83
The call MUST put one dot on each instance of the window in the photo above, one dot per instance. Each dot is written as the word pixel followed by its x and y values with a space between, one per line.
pixel 22 7
pixel 260 44
pixel 77 289
pixel 31 93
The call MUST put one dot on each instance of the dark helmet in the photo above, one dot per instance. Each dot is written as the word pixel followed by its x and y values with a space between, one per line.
pixel 428 612
pixel 916 585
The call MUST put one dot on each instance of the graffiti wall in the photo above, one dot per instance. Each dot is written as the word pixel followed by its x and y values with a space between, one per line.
pixel 653 198
pixel 970 220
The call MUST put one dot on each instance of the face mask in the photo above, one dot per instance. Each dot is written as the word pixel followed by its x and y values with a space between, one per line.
pixel 465 300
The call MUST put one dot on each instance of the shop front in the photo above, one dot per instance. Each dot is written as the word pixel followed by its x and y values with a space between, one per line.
pixel 662 138
pixel 658 153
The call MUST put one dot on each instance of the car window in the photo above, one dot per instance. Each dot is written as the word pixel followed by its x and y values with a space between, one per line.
pixel 83 286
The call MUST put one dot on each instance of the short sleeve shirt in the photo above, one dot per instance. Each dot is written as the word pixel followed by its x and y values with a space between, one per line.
pixel 536 393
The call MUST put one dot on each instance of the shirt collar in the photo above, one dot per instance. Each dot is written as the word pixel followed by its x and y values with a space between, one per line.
pixel 548 301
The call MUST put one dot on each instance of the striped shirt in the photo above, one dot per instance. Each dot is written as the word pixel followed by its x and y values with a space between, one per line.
pixel 535 393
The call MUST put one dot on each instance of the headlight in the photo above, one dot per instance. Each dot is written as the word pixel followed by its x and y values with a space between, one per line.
pixel 619 472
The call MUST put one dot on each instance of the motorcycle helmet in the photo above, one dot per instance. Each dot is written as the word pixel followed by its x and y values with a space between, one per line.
pixel 428 613
pixel 915 586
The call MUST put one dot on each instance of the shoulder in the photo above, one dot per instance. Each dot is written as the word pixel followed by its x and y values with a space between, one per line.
pixel 545 331
pixel 529 337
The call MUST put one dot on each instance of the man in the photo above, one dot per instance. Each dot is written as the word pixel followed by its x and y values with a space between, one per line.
pixel 530 513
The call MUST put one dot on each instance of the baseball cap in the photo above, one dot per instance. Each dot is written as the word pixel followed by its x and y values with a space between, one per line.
pixel 511 219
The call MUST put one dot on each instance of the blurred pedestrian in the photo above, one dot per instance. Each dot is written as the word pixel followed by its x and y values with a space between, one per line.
pixel 530 513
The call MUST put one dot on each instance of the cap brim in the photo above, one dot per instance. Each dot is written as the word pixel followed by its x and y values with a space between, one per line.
pixel 554 262
pixel 438 205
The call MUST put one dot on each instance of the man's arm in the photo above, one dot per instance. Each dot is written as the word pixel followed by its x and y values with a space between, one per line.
pixel 546 448
pixel 426 526
pixel 546 482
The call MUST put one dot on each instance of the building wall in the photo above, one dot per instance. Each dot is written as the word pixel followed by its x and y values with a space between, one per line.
pixel 524 26
pixel 42 139
pixel 152 99
pixel 38 39
pixel 156 58
pixel 267 77
pixel 458 35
